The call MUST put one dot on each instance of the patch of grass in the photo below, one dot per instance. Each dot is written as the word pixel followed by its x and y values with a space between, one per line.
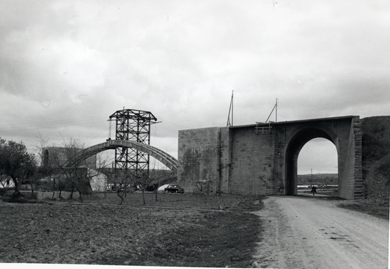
pixel 369 207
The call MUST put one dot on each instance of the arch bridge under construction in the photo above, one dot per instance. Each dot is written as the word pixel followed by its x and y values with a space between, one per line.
pixel 258 159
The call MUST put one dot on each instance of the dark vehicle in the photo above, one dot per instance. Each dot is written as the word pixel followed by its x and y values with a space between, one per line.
pixel 174 189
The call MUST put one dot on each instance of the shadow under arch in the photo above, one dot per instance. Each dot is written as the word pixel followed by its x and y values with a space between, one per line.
pixel 295 144
pixel 158 154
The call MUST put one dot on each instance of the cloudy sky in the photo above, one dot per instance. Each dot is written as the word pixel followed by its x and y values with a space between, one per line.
pixel 65 66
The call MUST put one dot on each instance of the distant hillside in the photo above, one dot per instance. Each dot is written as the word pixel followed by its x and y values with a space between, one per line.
pixel 307 179
pixel 376 156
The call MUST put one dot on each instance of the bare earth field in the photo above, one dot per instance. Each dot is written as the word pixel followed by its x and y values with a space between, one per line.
pixel 197 231
pixel 304 232
pixel 177 230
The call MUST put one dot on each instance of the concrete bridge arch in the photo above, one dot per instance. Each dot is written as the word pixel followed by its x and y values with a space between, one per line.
pixel 158 154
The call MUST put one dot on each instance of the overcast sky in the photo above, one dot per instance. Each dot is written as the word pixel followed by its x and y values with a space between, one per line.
pixel 66 66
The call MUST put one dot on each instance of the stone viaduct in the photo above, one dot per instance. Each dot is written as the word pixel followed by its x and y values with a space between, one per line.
pixel 262 158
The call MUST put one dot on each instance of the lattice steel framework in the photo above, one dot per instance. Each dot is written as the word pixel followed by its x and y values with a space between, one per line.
pixel 132 125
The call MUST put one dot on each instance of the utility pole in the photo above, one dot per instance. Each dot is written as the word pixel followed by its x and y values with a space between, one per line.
pixel 230 112
pixel 311 176
pixel 276 110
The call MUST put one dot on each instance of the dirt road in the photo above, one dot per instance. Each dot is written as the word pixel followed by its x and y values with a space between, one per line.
pixel 315 233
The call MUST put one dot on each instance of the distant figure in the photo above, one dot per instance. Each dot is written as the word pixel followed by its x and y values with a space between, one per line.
pixel 313 190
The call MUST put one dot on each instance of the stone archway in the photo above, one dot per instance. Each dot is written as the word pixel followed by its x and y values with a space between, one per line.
pixel 296 143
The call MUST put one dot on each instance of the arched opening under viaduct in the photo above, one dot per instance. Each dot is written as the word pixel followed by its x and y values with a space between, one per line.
pixel 318 166
pixel 294 147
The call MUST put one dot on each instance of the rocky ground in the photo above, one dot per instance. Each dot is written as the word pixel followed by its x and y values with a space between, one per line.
pixel 177 230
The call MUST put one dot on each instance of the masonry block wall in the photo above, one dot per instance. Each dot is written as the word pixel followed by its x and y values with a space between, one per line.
pixel 200 155
pixel 358 174
pixel 224 160
pixel 252 161
pixel 242 160
pixel 349 159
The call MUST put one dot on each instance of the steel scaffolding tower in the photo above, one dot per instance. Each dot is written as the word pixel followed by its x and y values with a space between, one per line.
pixel 133 125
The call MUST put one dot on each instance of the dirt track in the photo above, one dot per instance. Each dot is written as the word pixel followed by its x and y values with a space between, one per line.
pixel 315 233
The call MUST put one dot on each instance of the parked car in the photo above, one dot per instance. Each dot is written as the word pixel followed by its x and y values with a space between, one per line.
pixel 174 189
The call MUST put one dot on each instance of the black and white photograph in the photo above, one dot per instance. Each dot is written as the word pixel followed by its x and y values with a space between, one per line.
pixel 194 133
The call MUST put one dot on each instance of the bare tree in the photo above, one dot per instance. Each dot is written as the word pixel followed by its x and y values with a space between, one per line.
pixel 152 179
pixel 58 168
pixel 158 177
pixel 142 181
pixel 120 181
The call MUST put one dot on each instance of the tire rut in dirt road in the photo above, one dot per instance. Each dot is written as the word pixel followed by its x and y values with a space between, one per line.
pixel 315 233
